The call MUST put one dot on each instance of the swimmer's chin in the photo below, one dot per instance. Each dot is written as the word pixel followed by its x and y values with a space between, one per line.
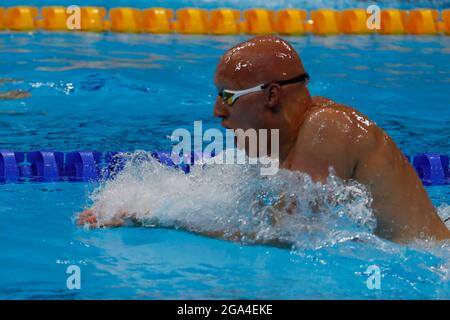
pixel 222 123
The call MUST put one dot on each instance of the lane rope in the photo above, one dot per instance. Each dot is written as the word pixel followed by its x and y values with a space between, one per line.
pixel 46 166
pixel 227 21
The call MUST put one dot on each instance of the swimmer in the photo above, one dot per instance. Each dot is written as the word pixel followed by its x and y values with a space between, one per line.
pixel 317 133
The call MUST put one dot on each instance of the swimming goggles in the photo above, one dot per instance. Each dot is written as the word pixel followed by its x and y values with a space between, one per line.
pixel 230 96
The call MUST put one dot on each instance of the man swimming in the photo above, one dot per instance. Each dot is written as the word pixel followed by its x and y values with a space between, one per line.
pixel 262 85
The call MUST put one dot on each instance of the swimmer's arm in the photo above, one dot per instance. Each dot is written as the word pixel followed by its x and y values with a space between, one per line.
pixel 239 237
pixel 280 205
pixel 89 218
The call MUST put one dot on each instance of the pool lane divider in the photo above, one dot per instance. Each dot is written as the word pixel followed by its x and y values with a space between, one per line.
pixel 225 21
pixel 47 166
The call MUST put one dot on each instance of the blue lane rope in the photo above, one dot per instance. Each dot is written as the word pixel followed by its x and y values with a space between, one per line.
pixel 45 166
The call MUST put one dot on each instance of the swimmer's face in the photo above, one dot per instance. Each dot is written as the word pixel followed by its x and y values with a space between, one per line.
pixel 249 110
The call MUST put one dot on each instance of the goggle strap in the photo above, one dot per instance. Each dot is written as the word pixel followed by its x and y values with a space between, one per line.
pixel 300 78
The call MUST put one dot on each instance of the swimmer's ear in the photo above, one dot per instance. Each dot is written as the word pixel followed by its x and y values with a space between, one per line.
pixel 273 95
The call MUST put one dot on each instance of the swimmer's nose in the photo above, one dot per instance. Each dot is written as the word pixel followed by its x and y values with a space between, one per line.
pixel 220 110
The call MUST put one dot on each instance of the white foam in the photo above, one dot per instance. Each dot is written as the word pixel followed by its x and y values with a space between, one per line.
pixel 236 198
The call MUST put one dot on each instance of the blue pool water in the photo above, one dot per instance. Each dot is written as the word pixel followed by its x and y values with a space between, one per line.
pixel 127 92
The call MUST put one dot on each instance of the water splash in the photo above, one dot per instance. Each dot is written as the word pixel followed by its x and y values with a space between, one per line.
pixel 235 199
pixel 329 226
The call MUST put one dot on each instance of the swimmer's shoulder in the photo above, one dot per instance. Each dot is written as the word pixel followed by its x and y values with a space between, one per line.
pixel 342 119
pixel 326 138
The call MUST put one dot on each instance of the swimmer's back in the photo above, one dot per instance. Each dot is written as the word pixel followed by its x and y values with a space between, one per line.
pixel 338 136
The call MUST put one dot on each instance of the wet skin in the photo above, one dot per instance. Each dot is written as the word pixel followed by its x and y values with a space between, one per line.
pixel 316 134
